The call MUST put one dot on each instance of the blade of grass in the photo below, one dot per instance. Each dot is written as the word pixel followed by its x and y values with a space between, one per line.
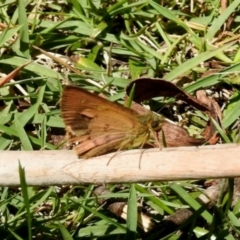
pixel 7 34
pixel 232 112
pixel 190 64
pixel 34 67
pixel 132 214
pixel 25 117
pixel 65 233
pixel 154 199
pixel 25 142
pixel 26 199
pixel 221 132
pixel 23 33
pixel 43 132
pixel 212 79
pixel 221 20
pixel 102 216
pixel 191 201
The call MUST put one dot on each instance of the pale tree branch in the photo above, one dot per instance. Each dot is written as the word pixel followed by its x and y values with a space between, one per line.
pixel 63 166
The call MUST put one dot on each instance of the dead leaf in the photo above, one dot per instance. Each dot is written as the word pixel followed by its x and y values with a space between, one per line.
pixel 147 88
pixel 12 74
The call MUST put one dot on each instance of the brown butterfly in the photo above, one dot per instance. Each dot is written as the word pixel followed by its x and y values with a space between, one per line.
pixel 96 126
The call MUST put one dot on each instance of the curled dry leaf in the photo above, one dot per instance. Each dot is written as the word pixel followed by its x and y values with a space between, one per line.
pixel 146 88
pixel 176 136
pixel 214 112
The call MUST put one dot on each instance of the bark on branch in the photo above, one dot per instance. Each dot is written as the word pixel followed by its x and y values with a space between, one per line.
pixel 63 167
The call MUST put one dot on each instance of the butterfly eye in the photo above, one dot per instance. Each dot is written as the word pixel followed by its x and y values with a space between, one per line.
pixel 155 124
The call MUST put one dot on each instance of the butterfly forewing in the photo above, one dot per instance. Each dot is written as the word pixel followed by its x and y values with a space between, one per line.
pixel 96 125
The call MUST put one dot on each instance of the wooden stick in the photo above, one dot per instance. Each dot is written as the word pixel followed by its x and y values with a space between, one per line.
pixel 63 167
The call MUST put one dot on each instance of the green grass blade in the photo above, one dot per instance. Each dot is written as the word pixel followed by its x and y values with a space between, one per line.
pixel 34 67
pixel 24 187
pixel 24 35
pixel 7 34
pixel 190 64
pixel 232 112
pixel 191 201
pixel 132 214
pixel 65 233
pixel 221 20
pixel 25 142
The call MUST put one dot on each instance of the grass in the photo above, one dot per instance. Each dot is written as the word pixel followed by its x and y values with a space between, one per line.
pixel 193 44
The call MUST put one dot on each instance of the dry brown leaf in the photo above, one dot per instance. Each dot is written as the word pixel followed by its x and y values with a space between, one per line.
pixel 146 88
pixel 12 74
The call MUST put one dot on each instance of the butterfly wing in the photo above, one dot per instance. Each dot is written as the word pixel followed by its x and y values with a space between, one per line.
pixel 96 125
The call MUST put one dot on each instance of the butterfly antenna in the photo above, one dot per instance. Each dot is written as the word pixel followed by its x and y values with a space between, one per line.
pixel 117 152
pixel 124 147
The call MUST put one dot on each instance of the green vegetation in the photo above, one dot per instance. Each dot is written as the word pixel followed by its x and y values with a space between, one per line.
pixel 193 43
